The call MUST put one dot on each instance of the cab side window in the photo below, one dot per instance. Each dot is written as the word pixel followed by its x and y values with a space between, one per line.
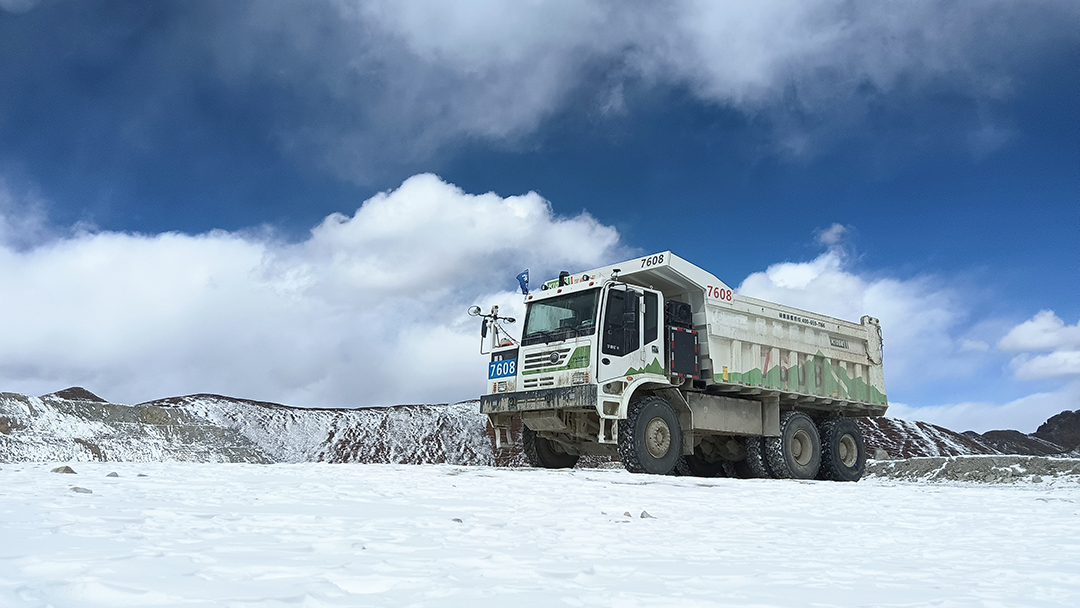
pixel 621 335
pixel 652 318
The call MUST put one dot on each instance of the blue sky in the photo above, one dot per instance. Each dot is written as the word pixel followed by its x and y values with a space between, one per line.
pixel 930 150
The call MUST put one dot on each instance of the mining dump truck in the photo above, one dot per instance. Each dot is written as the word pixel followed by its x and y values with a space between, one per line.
pixel 656 361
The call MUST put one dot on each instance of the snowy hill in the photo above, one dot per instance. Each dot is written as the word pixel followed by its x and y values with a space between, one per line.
pixel 212 428
pixel 76 425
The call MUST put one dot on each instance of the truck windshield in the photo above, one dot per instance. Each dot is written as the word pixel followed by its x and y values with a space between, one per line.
pixel 561 318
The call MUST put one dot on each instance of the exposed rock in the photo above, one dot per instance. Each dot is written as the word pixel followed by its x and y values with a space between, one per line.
pixel 64 469
pixel 1015 442
pixel 95 451
pixel 1062 429
pixel 645 515
pixel 977 469
pixel 404 434
pixel 113 474
pixel 7 425
pixel 76 393
pixel 54 428
pixel 79 490
pixel 904 439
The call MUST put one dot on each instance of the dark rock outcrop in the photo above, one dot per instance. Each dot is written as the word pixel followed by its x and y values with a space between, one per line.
pixel 905 439
pixel 1062 429
pixel 76 393
pixel 1015 442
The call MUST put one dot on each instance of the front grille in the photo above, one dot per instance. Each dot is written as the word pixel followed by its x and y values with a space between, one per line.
pixel 543 359
pixel 539 382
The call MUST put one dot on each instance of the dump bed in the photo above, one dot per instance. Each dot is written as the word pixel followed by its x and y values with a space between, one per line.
pixel 753 347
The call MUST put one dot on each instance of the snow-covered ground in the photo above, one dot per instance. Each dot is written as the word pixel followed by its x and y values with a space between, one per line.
pixel 310 535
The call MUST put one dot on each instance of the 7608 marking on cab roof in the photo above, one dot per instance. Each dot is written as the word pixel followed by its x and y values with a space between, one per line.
pixel 652 260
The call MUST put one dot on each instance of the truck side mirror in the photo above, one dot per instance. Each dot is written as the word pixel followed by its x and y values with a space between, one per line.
pixel 629 318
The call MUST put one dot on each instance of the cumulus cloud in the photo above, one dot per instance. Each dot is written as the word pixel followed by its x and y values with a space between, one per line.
pixel 1024 414
pixel 414 76
pixel 369 309
pixel 1043 332
pixel 1052 365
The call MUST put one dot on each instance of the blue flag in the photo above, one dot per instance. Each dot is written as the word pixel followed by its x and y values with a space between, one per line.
pixel 523 280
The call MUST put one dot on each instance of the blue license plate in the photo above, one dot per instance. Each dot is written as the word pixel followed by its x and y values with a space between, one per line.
pixel 502 369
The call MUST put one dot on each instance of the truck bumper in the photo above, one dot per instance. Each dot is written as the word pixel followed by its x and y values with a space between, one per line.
pixel 563 398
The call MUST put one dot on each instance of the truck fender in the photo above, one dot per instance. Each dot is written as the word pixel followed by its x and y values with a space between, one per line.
pixel 672 396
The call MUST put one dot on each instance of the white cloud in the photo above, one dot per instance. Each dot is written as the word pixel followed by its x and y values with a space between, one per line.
pixel 367 310
pixel 831 236
pixel 1044 331
pixel 1024 414
pixel 1053 365
pixel 23 220
pixel 412 76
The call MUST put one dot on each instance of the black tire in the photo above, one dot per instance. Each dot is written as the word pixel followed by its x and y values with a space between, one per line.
pixel 650 439
pixel 797 453
pixel 731 470
pixel 755 465
pixel 695 465
pixel 774 457
pixel 843 452
pixel 541 453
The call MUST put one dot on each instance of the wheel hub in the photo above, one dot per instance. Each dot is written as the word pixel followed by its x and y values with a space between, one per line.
pixel 801 447
pixel 657 438
pixel 847 451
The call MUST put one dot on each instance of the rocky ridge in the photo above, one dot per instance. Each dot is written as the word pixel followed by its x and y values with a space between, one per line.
pixel 1062 429
pixel 75 424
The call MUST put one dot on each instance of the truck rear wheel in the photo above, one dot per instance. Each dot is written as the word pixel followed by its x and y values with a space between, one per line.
pixel 797 455
pixel 650 439
pixel 843 452
pixel 695 465
pixel 541 452
pixel 755 463
pixel 753 466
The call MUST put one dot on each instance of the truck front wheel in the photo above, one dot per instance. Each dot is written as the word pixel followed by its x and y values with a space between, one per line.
pixel 797 454
pixel 650 439
pixel 543 453
pixel 843 453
